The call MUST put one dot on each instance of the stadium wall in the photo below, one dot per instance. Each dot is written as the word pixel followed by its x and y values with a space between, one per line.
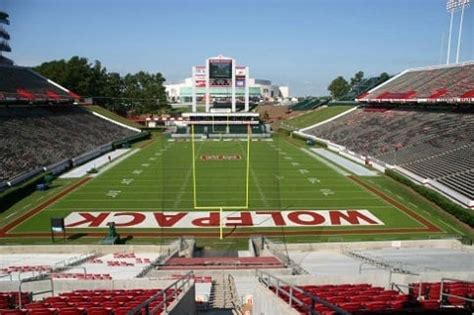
pixel 446 191
pixel 78 160
pixel 88 248
pixel 186 304
pixel 61 286
pixel 266 302
pixel 58 167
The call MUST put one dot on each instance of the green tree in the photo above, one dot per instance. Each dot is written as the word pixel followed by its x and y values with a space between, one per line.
pixel 141 92
pixel 384 76
pixel 357 78
pixel 339 87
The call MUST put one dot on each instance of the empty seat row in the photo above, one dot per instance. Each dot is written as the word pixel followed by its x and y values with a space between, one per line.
pixel 95 302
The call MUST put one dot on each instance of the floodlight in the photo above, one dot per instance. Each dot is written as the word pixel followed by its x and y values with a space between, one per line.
pixel 453 5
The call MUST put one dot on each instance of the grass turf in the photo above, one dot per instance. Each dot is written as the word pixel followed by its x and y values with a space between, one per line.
pixel 282 176
pixel 107 113
pixel 316 116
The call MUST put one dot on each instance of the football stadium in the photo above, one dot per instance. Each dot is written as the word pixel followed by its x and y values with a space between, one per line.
pixel 226 194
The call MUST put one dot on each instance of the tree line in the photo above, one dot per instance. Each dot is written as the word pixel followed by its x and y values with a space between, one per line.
pixel 137 93
pixel 340 87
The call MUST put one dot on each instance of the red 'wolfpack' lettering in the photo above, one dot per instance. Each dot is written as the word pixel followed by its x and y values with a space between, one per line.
pixel 212 219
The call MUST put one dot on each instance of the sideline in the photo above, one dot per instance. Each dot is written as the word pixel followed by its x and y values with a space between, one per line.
pixel 42 206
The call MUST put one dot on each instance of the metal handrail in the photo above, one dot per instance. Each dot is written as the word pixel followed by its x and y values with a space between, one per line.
pixel 441 294
pixel 42 277
pixel 177 285
pixel 236 302
pixel 267 279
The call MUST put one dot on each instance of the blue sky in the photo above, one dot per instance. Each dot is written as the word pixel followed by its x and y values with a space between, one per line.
pixel 300 43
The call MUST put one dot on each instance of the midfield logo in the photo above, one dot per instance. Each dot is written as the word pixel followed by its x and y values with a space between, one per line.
pixel 221 157
pixel 210 219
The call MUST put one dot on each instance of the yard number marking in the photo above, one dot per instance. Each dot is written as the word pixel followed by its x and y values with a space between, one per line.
pixel 113 193
pixel 279 178
pixel 326 192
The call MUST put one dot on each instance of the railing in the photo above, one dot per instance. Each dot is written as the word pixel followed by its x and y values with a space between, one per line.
pixel 73 262
pixel 181 284
pixel 271 281
pixel 419 287
pixel 174 248
pixel 442 294
pixel 234 296
pixel 35 279
pixel 393 267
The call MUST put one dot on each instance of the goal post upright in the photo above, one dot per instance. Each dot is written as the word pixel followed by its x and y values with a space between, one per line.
pixel 221 208
pixel 221 236
pixel 247 190
pixel 194 166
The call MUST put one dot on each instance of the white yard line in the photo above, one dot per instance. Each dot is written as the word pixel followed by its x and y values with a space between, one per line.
pixel 259 189
pixel 10 215
pixel 182 191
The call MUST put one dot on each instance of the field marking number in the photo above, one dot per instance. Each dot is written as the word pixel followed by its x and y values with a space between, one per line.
pixel 326 192
pixel 127 181
pixel 113 193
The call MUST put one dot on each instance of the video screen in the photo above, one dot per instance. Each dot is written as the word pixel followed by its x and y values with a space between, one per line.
pixel 220 69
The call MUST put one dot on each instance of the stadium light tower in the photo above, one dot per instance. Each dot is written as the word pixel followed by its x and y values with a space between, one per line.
pixel 452 6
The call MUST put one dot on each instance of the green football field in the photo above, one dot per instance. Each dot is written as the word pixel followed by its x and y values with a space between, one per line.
pixel 170 177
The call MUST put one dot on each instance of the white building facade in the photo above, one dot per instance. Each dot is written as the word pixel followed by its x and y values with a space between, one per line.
pixel 221 82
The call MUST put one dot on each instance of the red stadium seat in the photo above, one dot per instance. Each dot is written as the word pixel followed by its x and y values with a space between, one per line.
pixel 13 312
pixel 72 311
pixel 42 311
pixel 99 311
pixel 430 304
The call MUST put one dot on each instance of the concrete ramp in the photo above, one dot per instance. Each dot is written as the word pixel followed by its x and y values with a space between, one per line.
pixel 98 162
pixel 345 163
